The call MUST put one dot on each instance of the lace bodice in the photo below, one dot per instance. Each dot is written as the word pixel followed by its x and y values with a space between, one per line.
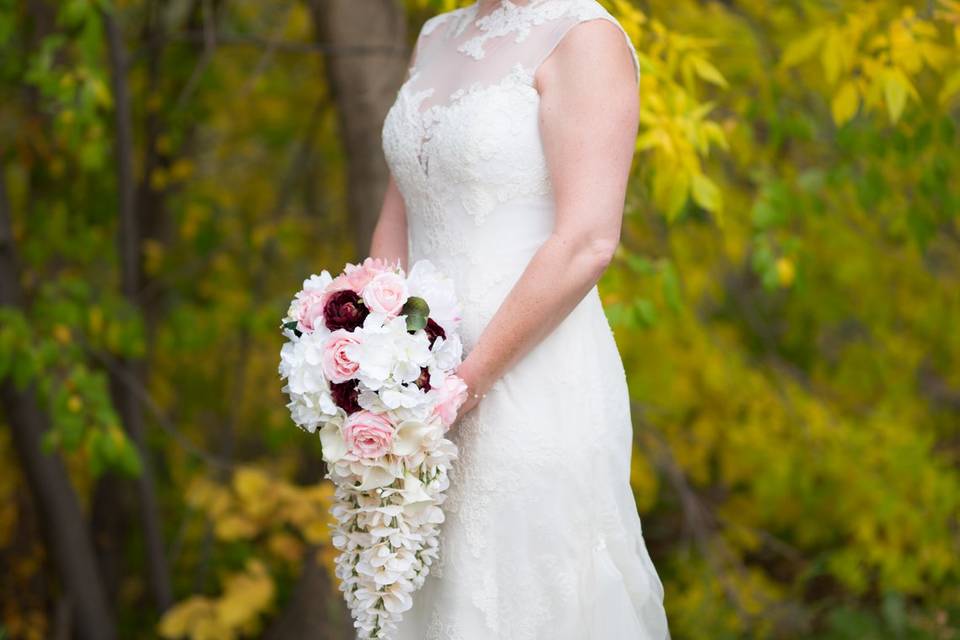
pixel 462 140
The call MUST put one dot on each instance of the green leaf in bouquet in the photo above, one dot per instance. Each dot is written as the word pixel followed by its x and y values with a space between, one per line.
pixel 292 325
pixel 417 310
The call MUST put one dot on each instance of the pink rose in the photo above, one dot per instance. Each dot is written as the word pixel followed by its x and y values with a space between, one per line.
pixel 358 275
pixel 355 277
pixel 449 396
pixel 309 310
pixel 386 293
pixel 367 434
pixel 337 365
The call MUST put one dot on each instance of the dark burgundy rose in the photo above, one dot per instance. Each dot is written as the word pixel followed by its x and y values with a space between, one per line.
pixel 345 395
pixel 424 380
pixel 344 310
pixel 434 331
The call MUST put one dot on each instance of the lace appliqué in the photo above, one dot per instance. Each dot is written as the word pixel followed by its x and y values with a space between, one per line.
pixel 438 630
pixel 462 132
pixel 510 17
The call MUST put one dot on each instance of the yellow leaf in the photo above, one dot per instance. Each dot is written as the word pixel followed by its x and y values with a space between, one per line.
pixel 74 404
pixel 285 546
pixel 708 72
pixel 935 55
pixel 181 169
pixel 62 333
pixel 158 179
pixel 235 527
pixel 705 192
pixel 896 89
pixel 250 482
pixel 785 271
pixel 845 102
pixel 832 55
pixel 317 532
pixel 246 596
pixel 951 87
pixel 651 138
pixel 801 50
pixel 182 619
pixel 670 187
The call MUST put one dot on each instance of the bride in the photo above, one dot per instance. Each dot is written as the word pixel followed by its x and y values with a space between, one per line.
pixel 509 146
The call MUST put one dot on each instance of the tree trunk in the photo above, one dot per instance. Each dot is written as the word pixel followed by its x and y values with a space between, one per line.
pixel 65 527
pixel 363 86
pixel 315 610
pixel 129 251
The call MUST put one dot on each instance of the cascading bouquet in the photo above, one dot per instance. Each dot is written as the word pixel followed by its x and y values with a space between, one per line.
pixel 369 363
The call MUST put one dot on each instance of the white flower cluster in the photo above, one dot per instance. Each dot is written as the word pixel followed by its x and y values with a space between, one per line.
pixel 369 363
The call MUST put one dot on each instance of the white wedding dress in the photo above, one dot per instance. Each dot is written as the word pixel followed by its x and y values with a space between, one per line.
pixel 542 539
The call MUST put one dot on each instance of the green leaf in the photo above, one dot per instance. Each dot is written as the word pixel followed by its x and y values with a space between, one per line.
pixel 292 325
pixel 640 264
pixel 646 313
pixel 128 460
pixel 670 284
pixel 417 310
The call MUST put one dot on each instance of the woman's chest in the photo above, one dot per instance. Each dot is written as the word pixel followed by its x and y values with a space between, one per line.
pixel 479 134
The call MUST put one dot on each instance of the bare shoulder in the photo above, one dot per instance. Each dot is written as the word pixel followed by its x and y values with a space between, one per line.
pixel 592 53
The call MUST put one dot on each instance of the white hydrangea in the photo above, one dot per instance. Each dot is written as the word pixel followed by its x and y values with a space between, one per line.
pixel 427 282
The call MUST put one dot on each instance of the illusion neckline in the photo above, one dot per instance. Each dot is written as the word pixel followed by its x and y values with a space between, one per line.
pixel 500 6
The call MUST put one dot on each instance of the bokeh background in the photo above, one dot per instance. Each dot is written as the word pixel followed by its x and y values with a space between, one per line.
pixel 786 299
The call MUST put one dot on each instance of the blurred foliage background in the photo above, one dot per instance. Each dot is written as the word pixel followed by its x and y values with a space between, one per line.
pixel 786 299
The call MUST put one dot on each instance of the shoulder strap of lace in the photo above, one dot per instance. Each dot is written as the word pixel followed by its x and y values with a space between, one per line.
pixel 567 14
pixel 427 28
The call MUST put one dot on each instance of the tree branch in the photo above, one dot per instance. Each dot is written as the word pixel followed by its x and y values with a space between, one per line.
pixel 129 248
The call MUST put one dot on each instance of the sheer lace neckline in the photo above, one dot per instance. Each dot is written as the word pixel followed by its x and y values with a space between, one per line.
pixel 500 8
pixel 506 17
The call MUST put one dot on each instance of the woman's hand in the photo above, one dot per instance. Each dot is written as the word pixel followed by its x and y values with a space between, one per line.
pixel 476 386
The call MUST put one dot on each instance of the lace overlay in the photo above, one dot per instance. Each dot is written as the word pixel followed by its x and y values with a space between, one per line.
pixel 541 538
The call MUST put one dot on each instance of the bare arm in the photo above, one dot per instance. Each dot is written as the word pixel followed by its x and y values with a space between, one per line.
pixel 390 234
pixel 389 240
pixel 589 110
